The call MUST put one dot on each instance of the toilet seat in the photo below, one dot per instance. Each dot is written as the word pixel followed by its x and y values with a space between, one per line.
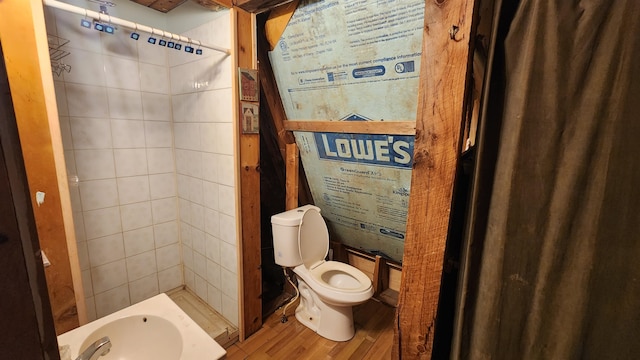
pixel 334 281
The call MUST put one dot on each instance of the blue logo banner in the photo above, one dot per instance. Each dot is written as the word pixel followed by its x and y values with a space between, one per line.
pixel 384 150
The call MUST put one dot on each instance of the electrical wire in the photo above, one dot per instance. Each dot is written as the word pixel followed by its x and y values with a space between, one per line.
pixel 284 310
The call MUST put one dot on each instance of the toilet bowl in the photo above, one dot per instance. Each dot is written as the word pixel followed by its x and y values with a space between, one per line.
pixel 328 289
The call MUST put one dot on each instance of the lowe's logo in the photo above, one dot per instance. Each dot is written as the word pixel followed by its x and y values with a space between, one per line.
pixel 386 150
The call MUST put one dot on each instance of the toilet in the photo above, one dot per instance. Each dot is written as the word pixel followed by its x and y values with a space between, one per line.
pixel 328 289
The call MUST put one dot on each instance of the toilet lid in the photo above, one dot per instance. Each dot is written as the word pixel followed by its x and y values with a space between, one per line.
pixel 313 238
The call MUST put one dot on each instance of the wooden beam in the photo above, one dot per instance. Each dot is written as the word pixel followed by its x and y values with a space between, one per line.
pixel 258 6
pixel 292 176
pixel 278 21
pixel 354 127
pixel 26 53
pixel 444 76
pixel 249 182
pixel 380 276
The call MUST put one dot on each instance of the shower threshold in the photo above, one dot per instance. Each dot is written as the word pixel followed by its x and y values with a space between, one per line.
pixel 223 332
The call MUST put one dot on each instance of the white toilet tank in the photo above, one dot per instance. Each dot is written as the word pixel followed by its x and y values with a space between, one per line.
pixel 285 227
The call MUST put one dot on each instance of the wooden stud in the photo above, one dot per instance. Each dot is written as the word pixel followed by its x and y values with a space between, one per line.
pixel 444 75
pixel 249 182
pixel 354 127
pixel 24 43
pixel 291 183
pixel 380 276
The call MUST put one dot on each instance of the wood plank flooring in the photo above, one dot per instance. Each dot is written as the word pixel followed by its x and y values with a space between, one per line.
pixel 292 340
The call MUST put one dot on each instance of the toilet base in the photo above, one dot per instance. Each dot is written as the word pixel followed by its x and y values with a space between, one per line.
pixel 329 321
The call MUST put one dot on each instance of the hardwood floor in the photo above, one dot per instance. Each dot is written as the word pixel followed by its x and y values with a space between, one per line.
pixel 292 340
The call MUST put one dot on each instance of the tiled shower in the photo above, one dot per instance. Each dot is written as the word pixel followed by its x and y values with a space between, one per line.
pixel 148 140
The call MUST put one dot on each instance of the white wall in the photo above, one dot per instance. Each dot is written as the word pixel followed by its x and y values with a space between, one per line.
pixel 117 120
pixel 204 146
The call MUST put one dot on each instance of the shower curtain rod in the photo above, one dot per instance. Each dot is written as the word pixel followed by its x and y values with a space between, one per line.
pixel 130 25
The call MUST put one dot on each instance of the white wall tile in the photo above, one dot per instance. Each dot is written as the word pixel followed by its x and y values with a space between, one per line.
pixel 135 216
pixel 199 264
pixel 165 233
pixel 162 185
pixel 210 195
pixel 86 68
pixel 198 241
pixel 226 170
pixel 120 44
pixel 152 54
pixel 211 222
pixel 213 274
pixel 201 287
pixel 170 278
pixel 90 133
pixel 83 255
pixel 109 276
pixel 158 134
pixel 138 241
pixel 187 136
pixel 112 300
pixel 208 137
pixel 78 225
pixel 228 229
pixel 125 104
pixel 183 185
pixel 229 283
pixel 227 197
pixel 87 100
pixel 122 73
pixel 156 106
pixel 210 166
pixel 187 257
pixel 128 134
pixel 182 161
pixel 214 298
pixel 216 105
pixel 98 194
pixel 90 304
pixel 189 278
pixel 185 217
pixel 65 132
pixel 168 256
pixel 133 189
pixel 130 162
pixel 160 160
pixel 164 210
pixel 102 222
pixel 212 245
pixel 215 70
pixel 86 283
pixel 144 288
pixel 194 164
pixel 105 249
pixel 94 164
pixel 154 78
pixel 228 257
pixel 61 98
pixel 68 25
pixel 196 190
pixel 230 309
pixel 185 107
pixel 141 265
pixel 185 234
pixel 197 216
pixel 224 138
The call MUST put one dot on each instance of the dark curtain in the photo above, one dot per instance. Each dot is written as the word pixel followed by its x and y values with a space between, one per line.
pixel 552 266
